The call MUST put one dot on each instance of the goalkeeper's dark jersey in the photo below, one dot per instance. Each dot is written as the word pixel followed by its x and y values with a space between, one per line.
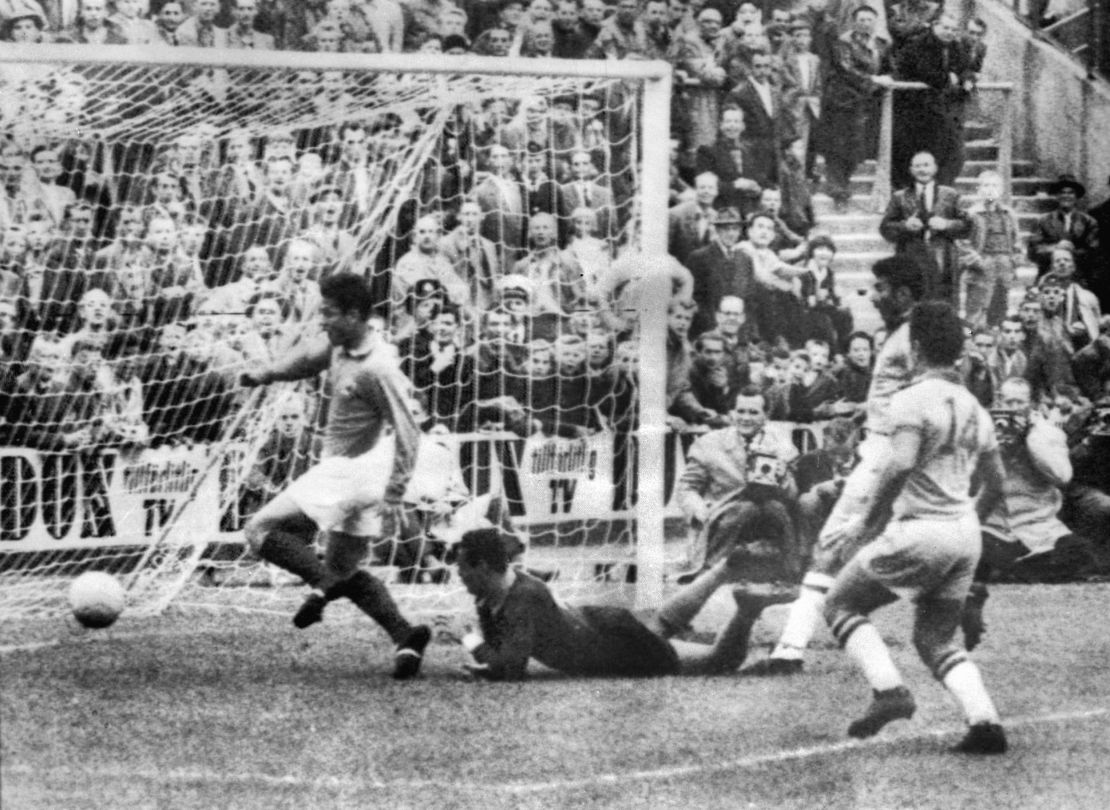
pixel 587 640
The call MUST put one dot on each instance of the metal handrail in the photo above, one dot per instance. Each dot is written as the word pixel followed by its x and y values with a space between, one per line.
pixel 882 189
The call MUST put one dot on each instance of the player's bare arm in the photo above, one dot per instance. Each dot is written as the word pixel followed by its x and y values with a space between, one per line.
pixel 309 360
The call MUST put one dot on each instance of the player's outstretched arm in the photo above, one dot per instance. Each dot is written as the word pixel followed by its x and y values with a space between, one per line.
pixel 307 360
pixel 990 473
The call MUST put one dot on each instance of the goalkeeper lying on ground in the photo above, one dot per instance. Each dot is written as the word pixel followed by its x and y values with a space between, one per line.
pixel 520 619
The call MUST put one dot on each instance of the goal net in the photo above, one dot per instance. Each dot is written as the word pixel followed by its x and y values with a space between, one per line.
pixel 165 219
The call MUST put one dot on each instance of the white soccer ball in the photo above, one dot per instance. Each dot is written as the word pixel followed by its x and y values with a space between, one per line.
pixel 96 599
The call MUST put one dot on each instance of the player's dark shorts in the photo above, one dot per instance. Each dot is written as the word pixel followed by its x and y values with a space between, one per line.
pixel 632 649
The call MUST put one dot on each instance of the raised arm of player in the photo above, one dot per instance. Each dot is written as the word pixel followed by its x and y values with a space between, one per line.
pixel 307 360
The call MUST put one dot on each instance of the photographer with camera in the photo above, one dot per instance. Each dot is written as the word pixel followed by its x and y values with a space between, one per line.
pixel 737 488
pixel 1023 538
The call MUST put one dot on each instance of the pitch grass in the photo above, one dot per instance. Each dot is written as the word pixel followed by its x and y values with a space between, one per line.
pixel 243 711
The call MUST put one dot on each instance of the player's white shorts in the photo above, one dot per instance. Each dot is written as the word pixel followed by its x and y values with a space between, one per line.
pixel 343 494
pixel 919 557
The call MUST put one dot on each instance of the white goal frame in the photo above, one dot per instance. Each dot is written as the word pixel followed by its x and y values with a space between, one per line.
pixel 656 80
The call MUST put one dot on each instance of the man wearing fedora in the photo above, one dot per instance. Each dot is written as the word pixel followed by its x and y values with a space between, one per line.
pixel 1065 227
pixel 719 269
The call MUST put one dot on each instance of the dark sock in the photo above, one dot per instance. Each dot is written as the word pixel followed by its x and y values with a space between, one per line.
pixel 293 553
pixel 374 599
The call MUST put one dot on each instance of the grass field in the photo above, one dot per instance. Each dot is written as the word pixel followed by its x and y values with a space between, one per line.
pixel 243 711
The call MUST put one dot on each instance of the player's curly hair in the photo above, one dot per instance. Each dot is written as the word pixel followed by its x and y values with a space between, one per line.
pixel 482 545
pixel 936 330
pixel 348 292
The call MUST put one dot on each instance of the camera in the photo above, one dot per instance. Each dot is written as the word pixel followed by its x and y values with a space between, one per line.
pixel 1010 425
pixel 763 469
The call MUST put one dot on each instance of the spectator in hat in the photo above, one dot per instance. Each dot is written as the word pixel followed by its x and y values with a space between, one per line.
pixel 1066 227
pixel 719 269
pixel 423 302
pixel 22 21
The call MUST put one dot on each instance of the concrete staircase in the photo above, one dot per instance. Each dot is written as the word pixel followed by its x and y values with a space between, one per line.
pixel 856 231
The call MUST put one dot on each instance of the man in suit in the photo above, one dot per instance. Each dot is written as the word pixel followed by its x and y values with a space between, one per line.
pixel 802 85
pixel 932 120
pixel 924 221
pixel 731 160
pixel 473 256
pixel 1066 227
pixel 849 106
pixel 585 192
pixel 719 269
pixel 542 195
pixel 501 199
pixel 768 129
pixel 691 222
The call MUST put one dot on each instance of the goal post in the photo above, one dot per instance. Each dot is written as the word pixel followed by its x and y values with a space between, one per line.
pixel 115 118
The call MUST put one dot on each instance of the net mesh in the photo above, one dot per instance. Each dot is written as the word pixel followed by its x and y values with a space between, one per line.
pixel 163 230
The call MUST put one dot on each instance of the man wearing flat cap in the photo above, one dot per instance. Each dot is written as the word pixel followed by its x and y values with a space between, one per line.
pixel 1065 227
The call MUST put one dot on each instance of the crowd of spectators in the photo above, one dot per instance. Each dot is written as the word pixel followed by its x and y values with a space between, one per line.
pixel 138 278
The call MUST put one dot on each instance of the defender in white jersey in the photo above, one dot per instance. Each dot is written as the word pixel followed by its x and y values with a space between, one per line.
pixel 941 440
pixel 899 282
pixel 362 476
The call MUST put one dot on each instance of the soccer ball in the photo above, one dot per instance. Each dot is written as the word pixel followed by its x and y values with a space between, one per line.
pixel 96 599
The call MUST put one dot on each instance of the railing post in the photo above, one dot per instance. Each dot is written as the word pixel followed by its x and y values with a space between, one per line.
pixel 880 192
pixel 1006 144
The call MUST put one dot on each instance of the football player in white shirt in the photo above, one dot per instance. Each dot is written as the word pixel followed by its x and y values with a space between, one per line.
pixel 899 283
pixel 940 440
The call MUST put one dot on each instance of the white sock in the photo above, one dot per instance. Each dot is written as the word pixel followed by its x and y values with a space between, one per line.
pixel 868 649
pixel 801 623
pixel 966 685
